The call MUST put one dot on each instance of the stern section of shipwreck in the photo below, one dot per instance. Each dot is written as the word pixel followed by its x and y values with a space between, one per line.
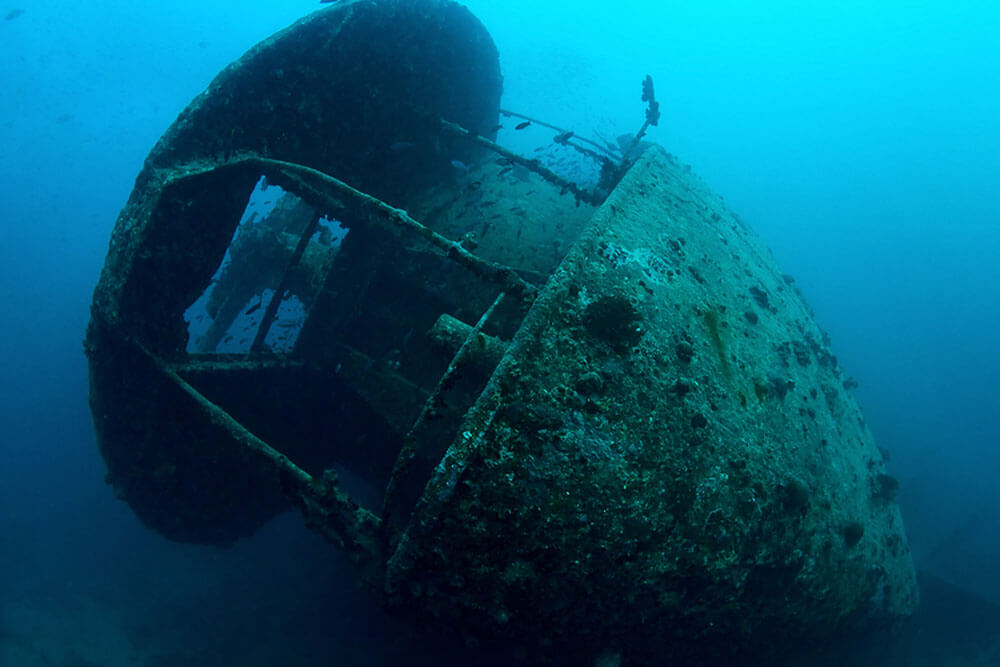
pixel 592 427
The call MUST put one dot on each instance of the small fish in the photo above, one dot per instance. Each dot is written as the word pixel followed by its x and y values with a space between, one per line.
pixel 563 137
pixel 521 126
pixel 254 308
pixel 326 2
pixel 504 161
pixel 474 185
pixel 13 14
pixel 505 170
pixel 460 166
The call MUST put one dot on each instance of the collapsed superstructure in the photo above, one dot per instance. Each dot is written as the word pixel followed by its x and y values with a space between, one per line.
pixel 596 428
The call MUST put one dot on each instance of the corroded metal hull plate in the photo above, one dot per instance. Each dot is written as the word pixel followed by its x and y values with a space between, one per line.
pixel 666 461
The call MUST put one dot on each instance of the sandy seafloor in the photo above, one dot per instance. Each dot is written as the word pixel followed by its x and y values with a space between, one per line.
pixel 283 597
pixel 236 607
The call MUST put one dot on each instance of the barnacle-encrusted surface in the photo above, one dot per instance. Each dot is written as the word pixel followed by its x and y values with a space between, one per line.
pixel 713 488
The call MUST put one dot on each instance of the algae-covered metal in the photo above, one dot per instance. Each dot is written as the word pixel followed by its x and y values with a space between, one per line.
pixel 667 446
pixel 610 433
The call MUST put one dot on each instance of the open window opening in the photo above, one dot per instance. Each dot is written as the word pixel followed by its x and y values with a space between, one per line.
pixel 237 312
pixel 332 334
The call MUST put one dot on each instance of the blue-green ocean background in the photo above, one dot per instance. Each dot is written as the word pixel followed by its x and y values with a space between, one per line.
pixel 860 139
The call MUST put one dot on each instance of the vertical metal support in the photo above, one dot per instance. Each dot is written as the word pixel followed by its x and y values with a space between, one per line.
pixel 272 306
pixel 406 481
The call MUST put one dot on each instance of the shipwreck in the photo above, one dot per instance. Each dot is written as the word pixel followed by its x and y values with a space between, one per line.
pixel 594 422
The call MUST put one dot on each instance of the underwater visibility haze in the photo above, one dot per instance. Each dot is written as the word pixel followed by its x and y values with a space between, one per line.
pixel 436 332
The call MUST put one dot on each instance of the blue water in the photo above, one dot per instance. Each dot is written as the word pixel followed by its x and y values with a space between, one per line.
pixel 859 139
